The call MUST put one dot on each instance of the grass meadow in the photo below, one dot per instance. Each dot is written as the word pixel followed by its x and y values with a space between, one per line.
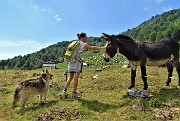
pixel 103 98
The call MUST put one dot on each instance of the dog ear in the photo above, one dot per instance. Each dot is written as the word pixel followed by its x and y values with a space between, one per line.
pixel 47 71
pixel 42 71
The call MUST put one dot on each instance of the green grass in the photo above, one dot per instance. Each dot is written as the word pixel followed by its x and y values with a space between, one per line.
pixel 103 99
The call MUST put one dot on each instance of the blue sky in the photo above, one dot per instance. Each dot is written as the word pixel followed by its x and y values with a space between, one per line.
pixel 26 26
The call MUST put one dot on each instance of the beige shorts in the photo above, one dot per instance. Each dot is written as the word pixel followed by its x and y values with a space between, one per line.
pixel 74 67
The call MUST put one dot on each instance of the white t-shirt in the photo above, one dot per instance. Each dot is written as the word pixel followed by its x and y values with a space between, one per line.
pixel 76 66
pixel 81 46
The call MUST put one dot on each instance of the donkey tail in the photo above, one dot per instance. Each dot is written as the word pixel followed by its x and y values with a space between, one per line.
pixel 16 94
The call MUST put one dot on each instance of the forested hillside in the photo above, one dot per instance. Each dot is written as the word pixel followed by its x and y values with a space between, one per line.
pixel 35 60
pixel 158 27
pixel 53 53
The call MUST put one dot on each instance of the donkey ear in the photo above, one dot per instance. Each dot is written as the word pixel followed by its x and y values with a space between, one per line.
pixel 105 37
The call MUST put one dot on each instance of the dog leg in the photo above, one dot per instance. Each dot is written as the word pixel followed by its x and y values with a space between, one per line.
pixel 45 93
pixel 24 101
pixel 41 102
pixel 44 97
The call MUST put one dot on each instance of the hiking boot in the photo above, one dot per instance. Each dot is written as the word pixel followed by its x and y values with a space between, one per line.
pixel 63 92
pixel 63 95
pixel 75 95
pixel 131 93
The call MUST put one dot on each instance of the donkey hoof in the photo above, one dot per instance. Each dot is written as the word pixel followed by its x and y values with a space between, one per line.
pixel 131 86
pixel 167 83
pixel 145 88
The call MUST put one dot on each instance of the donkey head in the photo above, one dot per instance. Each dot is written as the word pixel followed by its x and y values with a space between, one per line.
pixel 111 48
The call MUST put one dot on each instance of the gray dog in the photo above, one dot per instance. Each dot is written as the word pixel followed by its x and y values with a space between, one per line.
pixel 31 87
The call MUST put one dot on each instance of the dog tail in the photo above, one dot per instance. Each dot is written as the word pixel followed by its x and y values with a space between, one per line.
pixel 16 94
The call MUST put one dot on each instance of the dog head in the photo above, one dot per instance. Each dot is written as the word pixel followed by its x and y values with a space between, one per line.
pixel 46 75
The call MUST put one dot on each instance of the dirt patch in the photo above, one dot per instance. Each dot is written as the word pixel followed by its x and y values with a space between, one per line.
pixel 165 114
pixel 60 114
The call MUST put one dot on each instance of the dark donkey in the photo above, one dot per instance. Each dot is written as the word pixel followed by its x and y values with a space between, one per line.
pixel 139 53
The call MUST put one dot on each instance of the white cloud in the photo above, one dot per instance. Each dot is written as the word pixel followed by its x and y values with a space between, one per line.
pixel 44 9
pixel 6 55
pixel 145 8
pixel 58 18
pixel 34 7
pixel 34 44
pixel 37 8
pixel 9 49
pixel 159 1
pixel 8 43
pixel 167 8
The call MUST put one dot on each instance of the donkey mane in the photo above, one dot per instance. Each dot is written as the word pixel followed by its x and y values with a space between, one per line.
pixel 127 38
pixel 122 37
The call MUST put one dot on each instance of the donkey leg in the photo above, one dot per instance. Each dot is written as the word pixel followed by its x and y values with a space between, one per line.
pixel 144 76
pixel 170 70
pixel 177 64
pixel 178 77
pixel 133 76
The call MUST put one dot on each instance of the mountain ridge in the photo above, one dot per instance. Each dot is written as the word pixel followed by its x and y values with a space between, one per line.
pixel 166 24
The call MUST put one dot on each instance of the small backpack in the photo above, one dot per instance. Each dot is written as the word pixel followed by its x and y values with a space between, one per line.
pixel 72 53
